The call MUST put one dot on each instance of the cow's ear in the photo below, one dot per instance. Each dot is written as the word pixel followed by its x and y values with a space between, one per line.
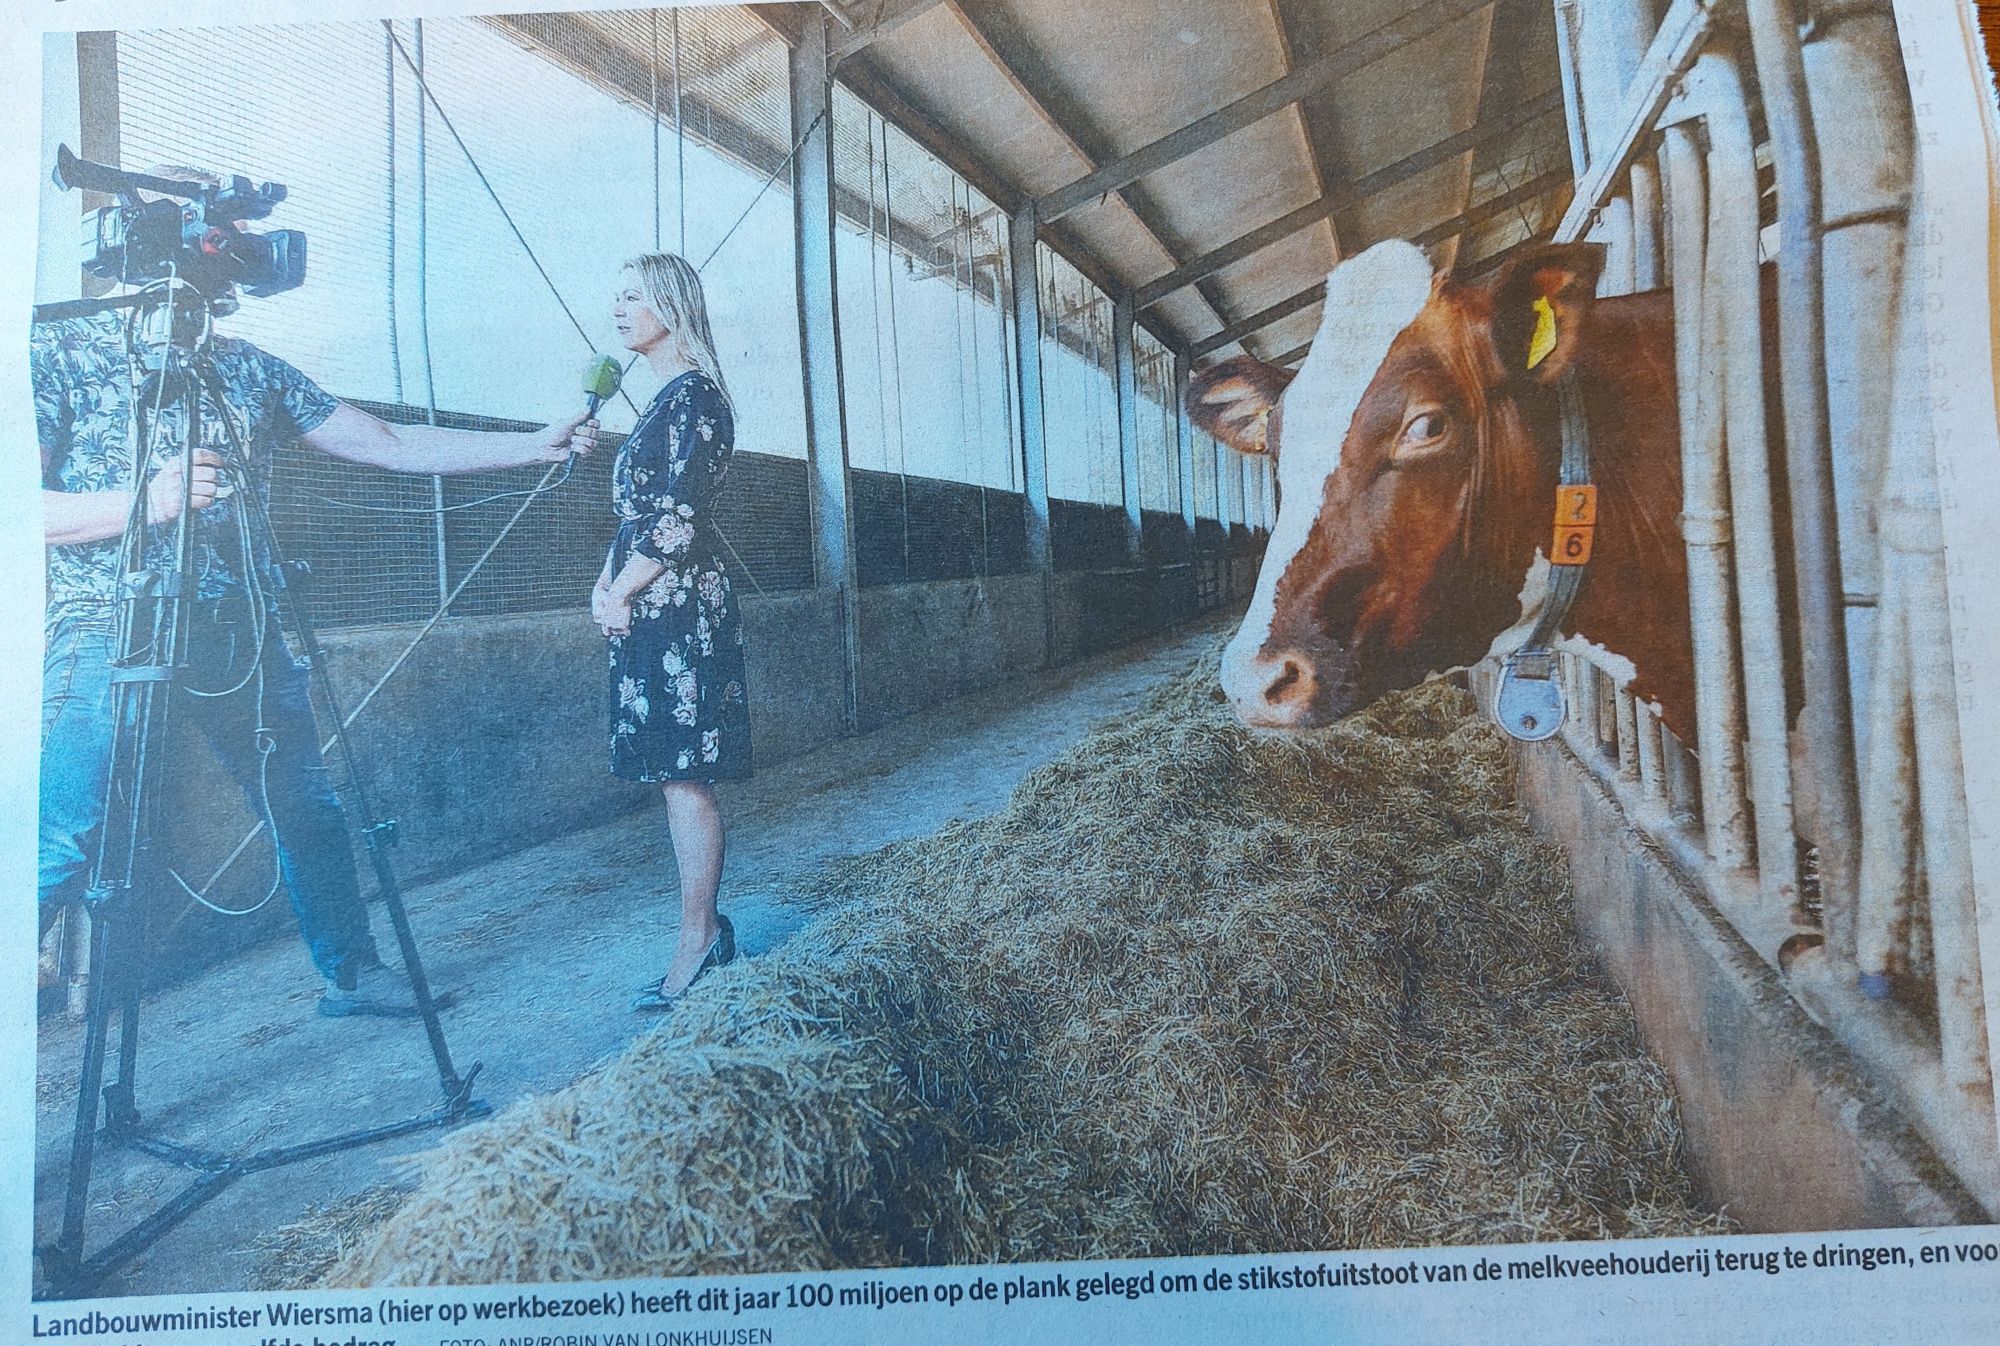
pixel 1232 401
pixel 1541 299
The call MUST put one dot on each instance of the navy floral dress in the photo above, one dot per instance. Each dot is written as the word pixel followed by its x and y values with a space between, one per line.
pixel 679 708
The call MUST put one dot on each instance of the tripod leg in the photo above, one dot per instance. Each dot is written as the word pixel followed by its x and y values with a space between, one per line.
pixel 121 1109
pixel 83 1142
pixel 375 831
pixel 455 1091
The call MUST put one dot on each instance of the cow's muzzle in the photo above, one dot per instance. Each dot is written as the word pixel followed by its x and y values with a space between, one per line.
pixel 1285 688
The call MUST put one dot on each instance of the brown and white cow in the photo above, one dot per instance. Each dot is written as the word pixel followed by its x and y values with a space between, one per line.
pixel 1417 451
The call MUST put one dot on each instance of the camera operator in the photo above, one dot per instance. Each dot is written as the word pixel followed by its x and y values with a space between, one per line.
pixel 243 688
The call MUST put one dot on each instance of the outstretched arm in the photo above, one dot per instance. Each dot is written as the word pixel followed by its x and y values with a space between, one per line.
pixel 91 516
pixel 354 436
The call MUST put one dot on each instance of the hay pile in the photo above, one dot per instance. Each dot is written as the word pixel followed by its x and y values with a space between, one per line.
pixel 1192 991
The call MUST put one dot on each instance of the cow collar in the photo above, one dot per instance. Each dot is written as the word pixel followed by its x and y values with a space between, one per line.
pixel 1529 703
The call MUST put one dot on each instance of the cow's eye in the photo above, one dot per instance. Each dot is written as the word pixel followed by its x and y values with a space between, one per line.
pixel 1427 431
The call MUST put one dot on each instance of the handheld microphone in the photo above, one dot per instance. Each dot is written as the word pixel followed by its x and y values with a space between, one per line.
pixel 601 380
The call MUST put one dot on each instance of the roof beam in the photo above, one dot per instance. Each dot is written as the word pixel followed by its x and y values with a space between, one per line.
pixel 1339 199
pixel 1254 107
pixel 1259 320
pixel 1068 124
pixel 1533 189
pixel 890 15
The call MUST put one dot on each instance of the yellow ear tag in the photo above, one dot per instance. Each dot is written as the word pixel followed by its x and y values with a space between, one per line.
pixel 1544 339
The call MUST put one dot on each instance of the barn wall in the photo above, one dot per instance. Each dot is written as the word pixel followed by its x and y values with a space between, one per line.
pixel 1785 1129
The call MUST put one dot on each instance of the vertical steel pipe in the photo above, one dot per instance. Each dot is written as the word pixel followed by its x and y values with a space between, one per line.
pixel 1864 128
pixel 1648 265
pixel 1628 734
pixel 1826 722
pixel 1126 380
pixel 1912 532
pixel 1737 325
pixel 1704 516
pixel 1652 772
pixel 827 461
pixel 1023 276
pixel 1888 812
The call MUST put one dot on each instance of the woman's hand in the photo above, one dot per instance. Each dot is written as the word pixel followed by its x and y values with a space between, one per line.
pixel 612 614
pixel 577 435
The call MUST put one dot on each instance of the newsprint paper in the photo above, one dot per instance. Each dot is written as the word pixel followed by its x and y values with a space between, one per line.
pixel 1000 670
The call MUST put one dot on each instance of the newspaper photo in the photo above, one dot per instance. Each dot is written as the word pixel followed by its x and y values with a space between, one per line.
pixel 1001 670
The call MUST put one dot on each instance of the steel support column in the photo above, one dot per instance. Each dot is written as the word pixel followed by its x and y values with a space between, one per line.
pixel 1122 338
pixel 1184 444
pixel 827 467
pixel 1021 273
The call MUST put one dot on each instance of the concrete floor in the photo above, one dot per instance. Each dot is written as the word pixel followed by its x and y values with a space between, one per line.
pixel 542 948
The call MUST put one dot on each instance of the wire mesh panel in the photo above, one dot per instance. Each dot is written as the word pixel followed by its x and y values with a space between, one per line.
pixel 1084 535
pixel 920 528
pixel 765 522
pixel 1166 537
pixel 366 567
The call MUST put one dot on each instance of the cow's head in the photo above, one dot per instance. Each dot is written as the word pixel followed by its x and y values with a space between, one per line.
pixel 1416 456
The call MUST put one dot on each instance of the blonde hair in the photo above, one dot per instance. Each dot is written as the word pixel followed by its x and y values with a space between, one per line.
pixel 673 291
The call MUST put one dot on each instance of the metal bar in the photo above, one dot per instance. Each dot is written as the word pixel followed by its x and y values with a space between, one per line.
pixel 1652 772
pixel 1261 319
pixel 1338 199
pixel 1628 735
pixel 1826 722
pixel 828 466
pixel 1731 296
pixel 1071 121
pixel 1704 516
pixel 1184 443
pixel 1533 189
pixel 1883 896
pixel 1254 107
pixel 1579 156
pixel 1648 268
pixel 1023 271
pixel 1127 379
pixel 1682 34
pixel 893 16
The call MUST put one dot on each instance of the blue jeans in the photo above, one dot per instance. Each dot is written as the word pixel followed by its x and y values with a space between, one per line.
pixel 77 723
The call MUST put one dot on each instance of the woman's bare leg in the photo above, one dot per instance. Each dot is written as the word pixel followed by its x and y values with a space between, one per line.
pixel 695 823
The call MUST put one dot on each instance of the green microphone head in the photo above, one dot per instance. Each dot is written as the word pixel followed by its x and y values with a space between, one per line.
pixel 601 380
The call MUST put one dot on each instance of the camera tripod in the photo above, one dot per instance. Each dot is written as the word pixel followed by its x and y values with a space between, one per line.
pixel 154 638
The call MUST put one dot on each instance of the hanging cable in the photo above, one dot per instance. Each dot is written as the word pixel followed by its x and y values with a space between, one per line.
pixel 395 335
pixel 680 147
pixel 438 538
pixel 958 330
pixel 653 106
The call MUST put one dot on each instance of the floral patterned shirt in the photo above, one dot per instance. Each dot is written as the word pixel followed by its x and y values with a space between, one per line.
pixel 84 381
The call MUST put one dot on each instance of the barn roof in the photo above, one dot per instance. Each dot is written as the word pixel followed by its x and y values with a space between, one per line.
pixel 1217 157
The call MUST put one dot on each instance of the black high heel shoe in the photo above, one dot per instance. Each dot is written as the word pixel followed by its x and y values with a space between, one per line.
pixel 652 1000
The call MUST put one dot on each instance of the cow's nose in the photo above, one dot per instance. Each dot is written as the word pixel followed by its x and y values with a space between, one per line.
pixel 1270 691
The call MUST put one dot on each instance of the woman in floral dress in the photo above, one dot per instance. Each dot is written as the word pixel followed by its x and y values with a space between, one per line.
pixel 679 711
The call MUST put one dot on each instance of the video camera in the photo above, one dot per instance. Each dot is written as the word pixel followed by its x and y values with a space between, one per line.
pixel 191 234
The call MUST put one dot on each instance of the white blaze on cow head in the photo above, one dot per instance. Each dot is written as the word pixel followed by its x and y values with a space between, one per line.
pixel 1409 451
